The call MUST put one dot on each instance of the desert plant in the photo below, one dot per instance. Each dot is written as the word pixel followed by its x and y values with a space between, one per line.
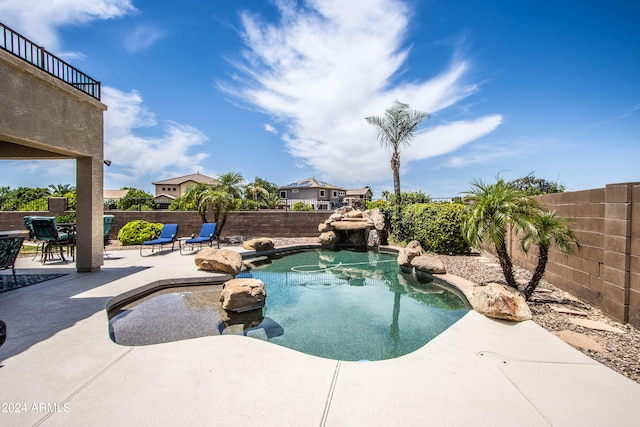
pixel 493 209
pixel 547 228
pixel 138 231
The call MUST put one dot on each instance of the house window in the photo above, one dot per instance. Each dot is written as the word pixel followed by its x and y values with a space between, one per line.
pixel 341 193
pixel 283 194
pixel 174 188
pixel 164 189
pixel 295 190
pixel 321 193
pixel 335 194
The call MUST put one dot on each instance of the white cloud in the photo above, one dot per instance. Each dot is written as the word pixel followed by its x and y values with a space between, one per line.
pixel 329 64
pixel 139 160
pixel 142 37
pixel 270 129
pixel 39 20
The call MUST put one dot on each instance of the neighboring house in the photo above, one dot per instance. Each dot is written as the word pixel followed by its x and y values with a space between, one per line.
pixel 358 197
pixel 168 189
pixel 318 194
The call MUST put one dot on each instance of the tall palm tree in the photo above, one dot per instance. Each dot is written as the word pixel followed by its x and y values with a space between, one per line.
pixel 395 128
pixel 493 210
pixel 547 228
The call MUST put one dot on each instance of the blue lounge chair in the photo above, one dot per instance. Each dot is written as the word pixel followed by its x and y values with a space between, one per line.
pixel 167 235
pixel 206 236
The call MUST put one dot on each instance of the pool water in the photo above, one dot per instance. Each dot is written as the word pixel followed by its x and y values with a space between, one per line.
pixel 339 305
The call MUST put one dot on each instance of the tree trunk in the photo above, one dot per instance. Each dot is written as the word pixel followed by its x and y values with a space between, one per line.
pixel 543 257
pixel 395 166
pixel 507 266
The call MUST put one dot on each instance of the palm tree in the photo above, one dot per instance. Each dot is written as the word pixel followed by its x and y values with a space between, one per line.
pixel 225 196
pixel 193 199
pixel 231 182
pixel 255 191
pixel 547 228
pixel 395 128
pixel 494 209
pixel 60 189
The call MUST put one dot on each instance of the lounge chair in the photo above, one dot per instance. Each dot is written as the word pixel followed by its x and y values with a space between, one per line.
pixel 206 236
pixel 167 235
pixel 47 233
pixel 9 250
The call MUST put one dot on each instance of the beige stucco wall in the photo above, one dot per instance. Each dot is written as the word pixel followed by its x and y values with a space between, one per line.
pixel 42 117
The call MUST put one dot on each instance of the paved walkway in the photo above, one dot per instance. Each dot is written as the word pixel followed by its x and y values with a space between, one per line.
pixel 59 367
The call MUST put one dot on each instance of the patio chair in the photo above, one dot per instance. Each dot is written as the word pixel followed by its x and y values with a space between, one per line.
pixel 9 250
pixel 206 236
pixel 46 231
pixel 107 223
pixel 167 235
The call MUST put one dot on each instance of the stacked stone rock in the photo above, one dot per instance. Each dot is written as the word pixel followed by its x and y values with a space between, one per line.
pixel 354 227
pixel 238 295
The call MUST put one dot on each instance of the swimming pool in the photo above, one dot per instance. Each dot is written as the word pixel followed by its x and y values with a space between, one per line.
pixel 340 305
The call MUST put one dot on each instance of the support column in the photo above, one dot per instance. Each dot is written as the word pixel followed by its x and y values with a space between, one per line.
pixel 89 211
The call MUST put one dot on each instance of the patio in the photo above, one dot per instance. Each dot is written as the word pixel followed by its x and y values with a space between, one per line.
pixel 59 367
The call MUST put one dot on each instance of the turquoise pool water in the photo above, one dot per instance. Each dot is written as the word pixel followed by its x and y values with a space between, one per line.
pixel 339 305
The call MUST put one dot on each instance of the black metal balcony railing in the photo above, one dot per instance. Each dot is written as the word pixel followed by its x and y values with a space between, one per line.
pixel 25 49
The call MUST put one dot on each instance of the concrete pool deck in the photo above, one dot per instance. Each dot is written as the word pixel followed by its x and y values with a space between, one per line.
pixel 59 367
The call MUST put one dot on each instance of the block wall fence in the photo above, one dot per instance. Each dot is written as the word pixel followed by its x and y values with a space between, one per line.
pixel 606 272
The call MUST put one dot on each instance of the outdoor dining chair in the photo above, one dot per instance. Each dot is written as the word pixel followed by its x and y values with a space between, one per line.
pixel 9 250
pixel 47 233
pixel 167 235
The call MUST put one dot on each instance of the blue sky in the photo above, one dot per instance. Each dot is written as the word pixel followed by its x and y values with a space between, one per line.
pixel 280 89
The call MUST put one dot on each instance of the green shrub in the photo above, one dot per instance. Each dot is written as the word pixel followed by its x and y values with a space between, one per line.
pixel 301 206
pixel 66 218
pixel 437 226
pixel 138 231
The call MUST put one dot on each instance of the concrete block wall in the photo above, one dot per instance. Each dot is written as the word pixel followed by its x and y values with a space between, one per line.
pixel 264 223
pixel 606 271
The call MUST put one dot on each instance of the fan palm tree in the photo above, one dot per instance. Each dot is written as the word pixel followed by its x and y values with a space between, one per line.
pixel 193 199
pixel 547 228
pixel 395 128
pixel 60 189
pixel 493 210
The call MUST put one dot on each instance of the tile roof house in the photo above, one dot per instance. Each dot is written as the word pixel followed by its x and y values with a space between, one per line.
pixel 167 190
pixel 318 194
pixel 358 197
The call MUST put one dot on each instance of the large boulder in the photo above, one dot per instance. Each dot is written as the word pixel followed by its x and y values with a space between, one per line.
pixel 408 253
pixel 328 238
pixel 324 227
pixel 259 245
pixel 431 264
pixel 243 295
pixel 500 302
pixel 377 217
pixel 219 260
